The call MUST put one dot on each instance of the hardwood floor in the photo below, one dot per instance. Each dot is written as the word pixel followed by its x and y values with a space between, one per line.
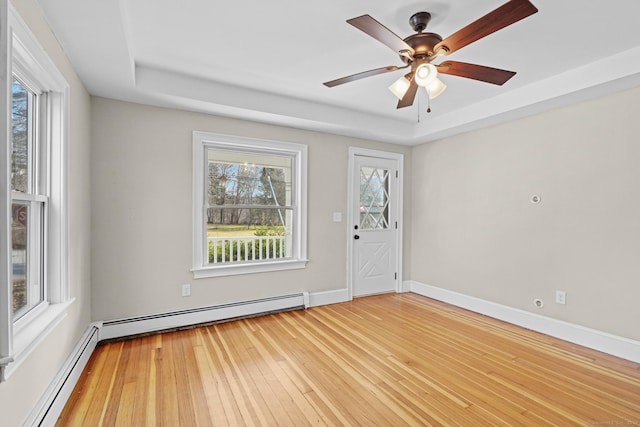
pixel 395 359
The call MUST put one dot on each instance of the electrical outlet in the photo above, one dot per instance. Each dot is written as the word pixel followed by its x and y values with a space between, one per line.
pixel 561 297
pixel 186 290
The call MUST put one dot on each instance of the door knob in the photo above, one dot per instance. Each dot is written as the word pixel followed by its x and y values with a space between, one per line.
pixel 356 237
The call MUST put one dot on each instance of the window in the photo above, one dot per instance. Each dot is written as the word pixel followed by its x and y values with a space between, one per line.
pixel 28 201
pixel 249 205
pixel 35 213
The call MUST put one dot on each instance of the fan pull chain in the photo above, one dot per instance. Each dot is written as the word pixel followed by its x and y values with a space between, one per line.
pixel 428 104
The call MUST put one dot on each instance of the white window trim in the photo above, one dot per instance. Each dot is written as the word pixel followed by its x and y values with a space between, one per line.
pixel 203 140
pixel 23 53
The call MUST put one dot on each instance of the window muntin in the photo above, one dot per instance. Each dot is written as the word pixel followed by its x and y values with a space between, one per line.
pixel 28 205
pixel 249 205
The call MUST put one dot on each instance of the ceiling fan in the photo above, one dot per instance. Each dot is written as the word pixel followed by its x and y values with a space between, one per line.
pixel 419 49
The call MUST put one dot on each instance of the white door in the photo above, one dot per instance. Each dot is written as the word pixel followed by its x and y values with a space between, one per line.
pixel 374 226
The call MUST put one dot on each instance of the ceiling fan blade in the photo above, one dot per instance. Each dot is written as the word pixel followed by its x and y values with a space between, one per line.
pixel 381 33
pixel 362 75
pixel 476 72
pixel 410 95
pixel 507 14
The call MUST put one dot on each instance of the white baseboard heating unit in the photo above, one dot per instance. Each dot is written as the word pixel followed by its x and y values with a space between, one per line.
pixel 182 318
pixel 47 410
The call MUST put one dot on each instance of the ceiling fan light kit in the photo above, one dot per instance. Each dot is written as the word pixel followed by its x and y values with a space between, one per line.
pixel 432 84
pixel 435 89
pixel 418 50
pixel 425 74
pixel 400 87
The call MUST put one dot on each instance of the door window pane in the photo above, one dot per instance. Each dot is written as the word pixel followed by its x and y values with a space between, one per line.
pixel 374 198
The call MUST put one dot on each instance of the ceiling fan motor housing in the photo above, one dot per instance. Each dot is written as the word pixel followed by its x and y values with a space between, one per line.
pixel 423 44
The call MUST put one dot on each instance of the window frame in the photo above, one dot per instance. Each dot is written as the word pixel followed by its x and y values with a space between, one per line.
pixel 298 152
pixel 27 60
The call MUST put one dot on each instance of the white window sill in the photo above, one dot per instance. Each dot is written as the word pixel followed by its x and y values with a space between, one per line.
pixel 27 339
pixel 235 269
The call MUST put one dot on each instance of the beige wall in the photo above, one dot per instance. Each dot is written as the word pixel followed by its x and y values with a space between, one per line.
pixel 142 208
pixel 476 231
pixel 24 388
pixel 469 224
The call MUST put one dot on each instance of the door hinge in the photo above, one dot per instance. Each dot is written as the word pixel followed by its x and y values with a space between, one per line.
pixel 396 225
pixel 395 276
pixel 396 174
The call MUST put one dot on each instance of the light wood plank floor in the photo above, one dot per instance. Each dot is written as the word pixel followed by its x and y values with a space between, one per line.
pixel 387 360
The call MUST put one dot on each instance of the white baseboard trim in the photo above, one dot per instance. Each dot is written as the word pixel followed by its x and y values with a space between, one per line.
pixel 328 297
pixel 405 286
pixel 183 318
pixel 622 347
pixel 51 404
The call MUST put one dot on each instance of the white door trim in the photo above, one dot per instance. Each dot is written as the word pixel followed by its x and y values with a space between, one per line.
pixel 399 158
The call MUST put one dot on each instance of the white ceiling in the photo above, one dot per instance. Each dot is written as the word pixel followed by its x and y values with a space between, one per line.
pixel 266 60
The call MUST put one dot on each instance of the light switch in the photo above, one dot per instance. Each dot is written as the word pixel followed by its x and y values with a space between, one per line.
pixel 337 217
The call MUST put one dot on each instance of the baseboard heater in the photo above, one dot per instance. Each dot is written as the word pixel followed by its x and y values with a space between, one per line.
pixel 181 318
pixel 48 409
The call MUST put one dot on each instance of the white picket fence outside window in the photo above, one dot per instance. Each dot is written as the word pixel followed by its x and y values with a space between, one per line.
pixel 244 249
